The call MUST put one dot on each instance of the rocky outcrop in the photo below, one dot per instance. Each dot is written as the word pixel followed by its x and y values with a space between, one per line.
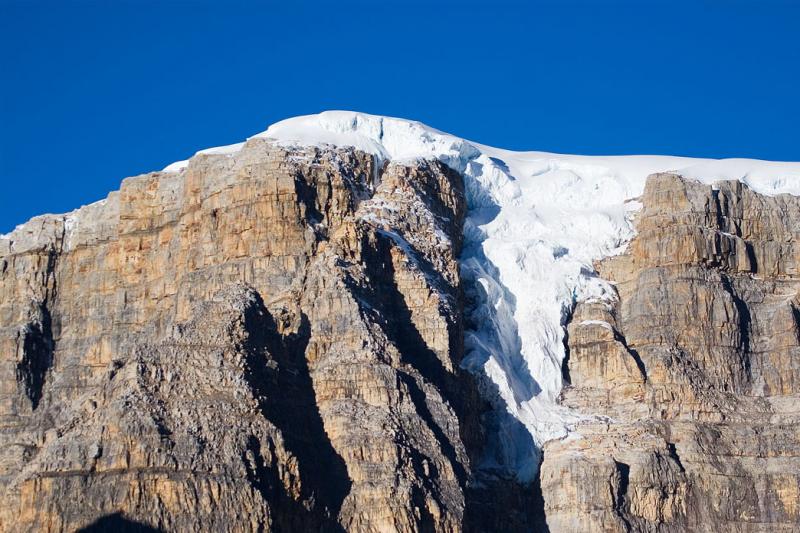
pixel 271 339
pixel 693 372
pixel 264 341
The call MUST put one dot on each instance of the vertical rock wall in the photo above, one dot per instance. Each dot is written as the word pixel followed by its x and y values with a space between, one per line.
pixel 693 373
pixel 268 340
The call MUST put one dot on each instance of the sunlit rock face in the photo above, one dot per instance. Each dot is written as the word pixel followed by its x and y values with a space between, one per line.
pixel 265 341
pixel 398 330
pixel 695 372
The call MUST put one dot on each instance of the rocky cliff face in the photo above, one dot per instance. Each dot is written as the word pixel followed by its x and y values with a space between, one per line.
pixel 271 340
pixel 266 341
pixel 694 372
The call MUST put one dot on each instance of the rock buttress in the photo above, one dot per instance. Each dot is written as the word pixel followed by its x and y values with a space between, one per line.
pixel 693 371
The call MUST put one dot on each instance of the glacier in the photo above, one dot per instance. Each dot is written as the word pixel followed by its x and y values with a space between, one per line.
pixel 536 223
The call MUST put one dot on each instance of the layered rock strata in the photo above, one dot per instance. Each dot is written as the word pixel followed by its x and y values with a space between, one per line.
pixel 271 340
pixel 264 341
pixel 693 373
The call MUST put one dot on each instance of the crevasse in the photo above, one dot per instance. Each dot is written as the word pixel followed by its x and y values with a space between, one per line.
pixel 535 224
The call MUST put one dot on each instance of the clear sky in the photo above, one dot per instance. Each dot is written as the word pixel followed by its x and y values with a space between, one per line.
pixel 92 92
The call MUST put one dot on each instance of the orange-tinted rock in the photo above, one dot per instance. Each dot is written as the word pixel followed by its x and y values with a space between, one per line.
pixel 705 436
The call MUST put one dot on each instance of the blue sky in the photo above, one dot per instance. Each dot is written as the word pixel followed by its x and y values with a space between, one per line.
pixel 93 92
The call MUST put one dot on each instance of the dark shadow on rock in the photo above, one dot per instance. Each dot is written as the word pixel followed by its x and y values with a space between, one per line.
pixel 621 497
pixel 501 503
pixel 744 324
pixel 495 499
pixel 37 356
pixel 673 453
pixel 565 373
pixel 418 399
pixel 395 318
pixel 796 317
pixel 278 373
pixel 117 523
pixel 634 353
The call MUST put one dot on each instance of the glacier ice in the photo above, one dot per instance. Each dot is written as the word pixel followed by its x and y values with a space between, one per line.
pixel 536 222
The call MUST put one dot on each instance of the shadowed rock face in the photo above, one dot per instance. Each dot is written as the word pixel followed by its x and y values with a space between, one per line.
pixel 696 368
pixel 271 340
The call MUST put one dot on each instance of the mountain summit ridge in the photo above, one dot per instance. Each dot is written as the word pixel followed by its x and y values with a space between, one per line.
pixel 460 333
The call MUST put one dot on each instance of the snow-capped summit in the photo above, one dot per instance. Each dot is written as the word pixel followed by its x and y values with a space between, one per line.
pixel 537 221
pixel 536 224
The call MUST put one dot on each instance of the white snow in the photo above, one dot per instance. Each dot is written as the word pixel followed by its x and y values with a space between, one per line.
pixel 601 323
pixel 536 222
pixel 229 149
pixel 177 166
